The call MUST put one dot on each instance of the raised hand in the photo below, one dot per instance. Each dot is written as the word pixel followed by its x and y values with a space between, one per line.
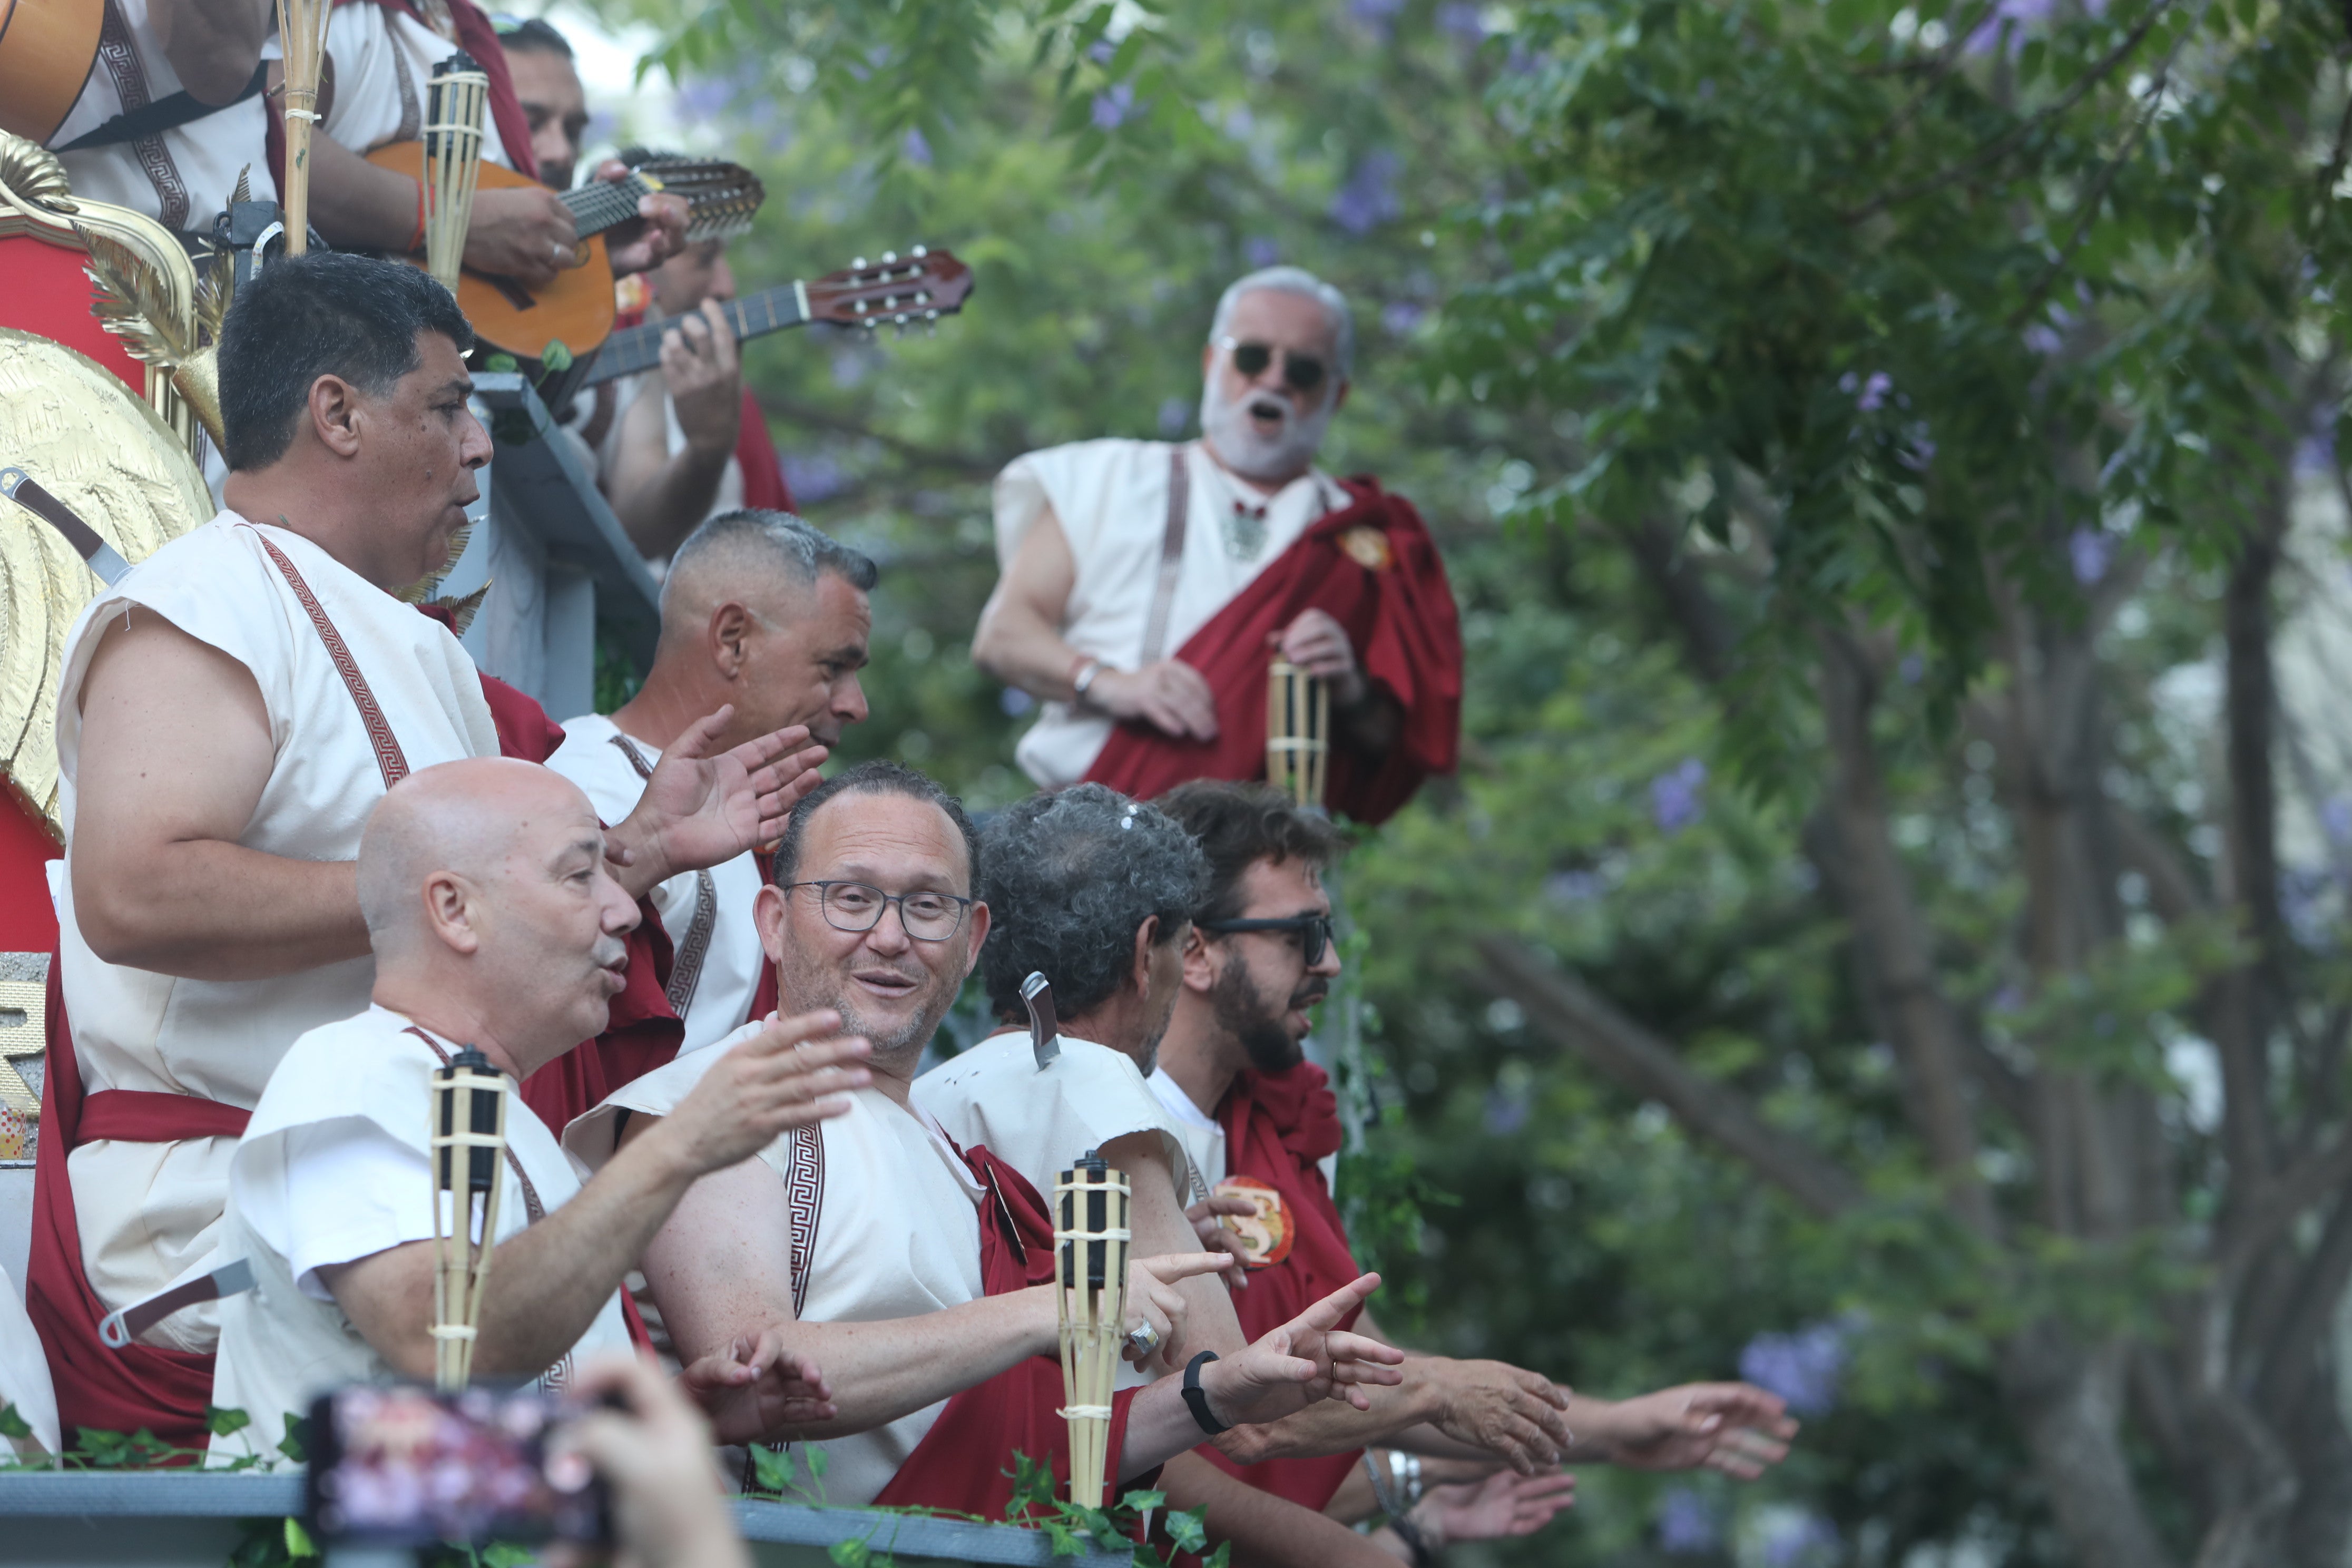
pixel 1518 1417
pixel 788 1075
pixel 704 379
pixel 1734 1428
pixel 1505 1504
pixel 1304 1362
pixel 700 811
pixel 756 1386
pixel 1216 1238
pixel 653 236
pixel 1152 1297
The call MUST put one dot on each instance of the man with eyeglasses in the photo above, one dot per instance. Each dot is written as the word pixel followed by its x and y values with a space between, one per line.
pixel 1259 1119
pixel 1145 586
pixel 917 1274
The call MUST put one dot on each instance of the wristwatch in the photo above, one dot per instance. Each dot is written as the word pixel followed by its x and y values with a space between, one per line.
pixel 1196 1398
pixel 1084 679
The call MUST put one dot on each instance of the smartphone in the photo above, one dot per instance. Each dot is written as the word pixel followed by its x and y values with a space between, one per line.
pixel 401 1465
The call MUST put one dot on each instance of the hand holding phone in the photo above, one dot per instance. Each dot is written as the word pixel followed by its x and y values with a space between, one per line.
pixel 651 1448
pixel 401 1465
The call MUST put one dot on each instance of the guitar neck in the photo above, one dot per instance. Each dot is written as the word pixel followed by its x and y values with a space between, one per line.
pixel 601 204
pixel 635 348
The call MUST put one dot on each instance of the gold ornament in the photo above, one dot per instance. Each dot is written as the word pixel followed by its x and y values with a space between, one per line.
pixel 36 200
pixel 88 439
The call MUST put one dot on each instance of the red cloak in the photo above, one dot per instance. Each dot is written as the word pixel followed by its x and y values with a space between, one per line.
pixel 167 1391
pixel 1374 569
pixel 1277 1126
pixel 964 1463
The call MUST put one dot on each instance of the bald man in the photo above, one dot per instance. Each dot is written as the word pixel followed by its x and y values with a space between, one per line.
pixel 765 615
pixel 496 926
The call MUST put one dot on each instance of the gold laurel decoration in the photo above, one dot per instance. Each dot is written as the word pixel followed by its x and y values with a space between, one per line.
pixel 92 442
pixel 136 303
pixel 36 200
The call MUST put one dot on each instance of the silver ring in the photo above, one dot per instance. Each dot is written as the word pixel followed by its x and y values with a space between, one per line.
pixel 555 248
pixel 1143 1341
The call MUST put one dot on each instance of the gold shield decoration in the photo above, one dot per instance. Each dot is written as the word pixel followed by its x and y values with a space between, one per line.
pixel 92 443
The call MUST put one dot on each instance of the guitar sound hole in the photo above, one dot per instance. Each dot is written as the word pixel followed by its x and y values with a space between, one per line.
pixel 514 293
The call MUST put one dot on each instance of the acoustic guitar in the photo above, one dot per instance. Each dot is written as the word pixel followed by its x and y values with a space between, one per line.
pixel 920 286
pixel 47 49
pixel 576 309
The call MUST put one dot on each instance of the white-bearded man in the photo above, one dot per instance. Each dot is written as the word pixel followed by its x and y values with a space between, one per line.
pixel 232 710
pixel 1146 586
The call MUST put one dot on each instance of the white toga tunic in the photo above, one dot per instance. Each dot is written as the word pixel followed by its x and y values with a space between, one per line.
pixel 893 1218
pixel 707 914
pixel 1038 1122
pixel 384 66
pixel 337 1167
pixel 182 178
pixel 1111 500
pixel 149 1212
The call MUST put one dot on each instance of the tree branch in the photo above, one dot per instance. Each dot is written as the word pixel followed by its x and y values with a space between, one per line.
pixel 1565 1011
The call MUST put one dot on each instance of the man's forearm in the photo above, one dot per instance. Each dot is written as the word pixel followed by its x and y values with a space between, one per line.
pixel 548 1284
pixel 658 511
pixel 1334 1427
pixel 1017 646
pixel 1265 1530
pixel 213 45
pixel 356 203
pixel 205 910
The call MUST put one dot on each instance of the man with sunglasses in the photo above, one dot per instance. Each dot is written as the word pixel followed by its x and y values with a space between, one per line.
pixel 1233 1075
pixel 1146 586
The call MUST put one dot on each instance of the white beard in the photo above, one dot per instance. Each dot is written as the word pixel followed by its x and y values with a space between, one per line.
pixel 1226 427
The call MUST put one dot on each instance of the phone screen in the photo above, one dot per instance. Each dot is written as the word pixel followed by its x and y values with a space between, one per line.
pixel 401 1465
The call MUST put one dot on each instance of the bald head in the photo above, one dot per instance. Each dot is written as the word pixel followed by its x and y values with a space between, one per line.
pixel 489 905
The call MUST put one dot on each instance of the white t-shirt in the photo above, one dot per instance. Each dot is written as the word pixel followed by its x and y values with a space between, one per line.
pixel 182 178
pixel 384 70
pixel 890 1217
pixel 716 972
pixel 1111 499
pixel 1203 1139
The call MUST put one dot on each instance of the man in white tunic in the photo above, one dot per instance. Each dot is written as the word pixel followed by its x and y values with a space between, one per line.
pixel 231 712
pixel 173 111
pixel 765 615
pixel 871 1243
pixel 496 926
pixel 1144 587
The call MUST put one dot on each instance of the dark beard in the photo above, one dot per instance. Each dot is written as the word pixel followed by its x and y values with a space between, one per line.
pixel 1241 1014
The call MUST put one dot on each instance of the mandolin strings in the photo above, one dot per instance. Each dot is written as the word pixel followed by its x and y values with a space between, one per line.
pixel 457 103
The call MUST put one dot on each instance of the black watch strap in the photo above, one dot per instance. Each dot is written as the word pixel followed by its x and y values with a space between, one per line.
pixel 1196 1398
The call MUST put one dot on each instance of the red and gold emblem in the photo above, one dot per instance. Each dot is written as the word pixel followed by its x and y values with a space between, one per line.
pixel 1367 547
pixel 1265 1235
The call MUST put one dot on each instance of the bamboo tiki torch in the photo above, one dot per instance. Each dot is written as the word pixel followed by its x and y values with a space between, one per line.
pixel 1090 1246
pixel 302 32
pixel 1297 731
pixel 469 1113
pixel 453 160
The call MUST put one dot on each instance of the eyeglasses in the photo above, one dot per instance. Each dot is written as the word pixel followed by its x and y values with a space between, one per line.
pixel 854 907
pixel 1314 932
pixel 1304 372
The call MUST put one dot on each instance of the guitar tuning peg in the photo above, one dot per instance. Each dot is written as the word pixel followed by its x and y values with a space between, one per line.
pixel 930 315
pixel 888 256
pixel 918 253
pixel 857 264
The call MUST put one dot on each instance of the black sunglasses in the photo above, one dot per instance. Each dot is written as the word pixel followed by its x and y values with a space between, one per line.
pixel 1303 372
pixel 1314 932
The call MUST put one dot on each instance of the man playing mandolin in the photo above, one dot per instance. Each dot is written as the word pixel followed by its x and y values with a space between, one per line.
pixel 1146 586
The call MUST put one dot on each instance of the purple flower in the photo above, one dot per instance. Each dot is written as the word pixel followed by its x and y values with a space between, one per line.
pixel 1675 802
pixel 1506 1112
pixel 848 368
pixel 2336 819
pixel 1872 396
pixel 1261 251
pixel 2011 18
pixel 1804 1368
pixel 1174 412
pixel 1368 199
pixel 2089 552
pixel 1015 701
pixel 1378 16
pixel 1799 1537
pixel 1918 448
pixel 706 98
pixel 1462 21
pixel 1572 888
pixel 917 147
pixel 812 478
pixel 1401 317
pixel 2043 340
pixel 1686 1526
pixel 1912 667
pixel 1112 108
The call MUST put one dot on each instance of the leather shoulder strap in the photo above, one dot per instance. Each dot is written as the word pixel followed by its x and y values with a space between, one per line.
pixel 389 759
pixel 1171 554
pixel 686 971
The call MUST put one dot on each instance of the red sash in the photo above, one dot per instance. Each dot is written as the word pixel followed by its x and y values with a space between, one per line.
pixel 964 1462
pixel 1276 1127
pixel 479 37
pixel 1373 568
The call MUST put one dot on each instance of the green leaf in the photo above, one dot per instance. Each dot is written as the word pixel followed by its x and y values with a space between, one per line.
pixel 220 1423
pixel 772 1469
pixel 1189 1529
pixel 555 357
pixel 817 1460
pixel 507 1555
pixel 296 1444
pixel 297 1540
pixel 13 1424
pixel 501 363
pixel 1138 1501
pixel 849 1553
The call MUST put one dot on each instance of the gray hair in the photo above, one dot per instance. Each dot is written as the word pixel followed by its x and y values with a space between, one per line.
pixel 751 541
pixel 1296 280
pixel 1071 878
